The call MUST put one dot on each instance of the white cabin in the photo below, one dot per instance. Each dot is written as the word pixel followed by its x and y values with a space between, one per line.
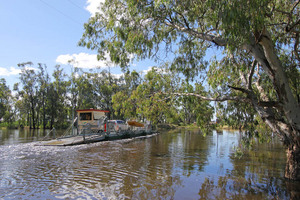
pixel 91 118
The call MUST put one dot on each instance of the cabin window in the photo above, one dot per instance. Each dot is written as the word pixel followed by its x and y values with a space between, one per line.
pixel 85 116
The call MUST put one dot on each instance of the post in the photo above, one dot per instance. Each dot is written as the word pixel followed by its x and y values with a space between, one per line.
pixel 83 135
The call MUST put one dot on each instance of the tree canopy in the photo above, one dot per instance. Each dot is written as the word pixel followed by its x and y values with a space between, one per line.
pixel 5 100
pixel 259 40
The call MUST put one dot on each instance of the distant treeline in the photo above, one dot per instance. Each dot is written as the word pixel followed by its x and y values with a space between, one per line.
pixel 40 100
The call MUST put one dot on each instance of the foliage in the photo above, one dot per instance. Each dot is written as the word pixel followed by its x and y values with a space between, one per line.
pixel 248 32
pixel 145 101
pixel 193 107
pixel 259 40
pixel 148 101
pixel 42 101
pixel 6 101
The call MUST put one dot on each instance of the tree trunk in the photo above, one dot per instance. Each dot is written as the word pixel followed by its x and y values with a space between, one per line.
pixel 287 126
pixel 33 116
pixel 51 122
pixel 292 169
pixel 44 118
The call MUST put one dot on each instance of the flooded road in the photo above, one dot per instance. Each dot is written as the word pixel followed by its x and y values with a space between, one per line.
pixel 173 165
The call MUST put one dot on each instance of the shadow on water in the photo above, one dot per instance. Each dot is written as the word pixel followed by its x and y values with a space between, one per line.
pixel 172 165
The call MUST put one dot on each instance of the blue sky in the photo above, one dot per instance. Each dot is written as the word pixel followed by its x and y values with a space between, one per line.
pixel 47 32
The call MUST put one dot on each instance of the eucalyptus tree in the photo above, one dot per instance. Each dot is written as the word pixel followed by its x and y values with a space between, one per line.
pixel 124 106
pixel 57 99
pixel 73 92
pixel 147 100
pixel 244 117
pixel 187 103
pixel 4 91
pixel 262 32
pixel 31 100
pixel 81 89
pixel 28 79
pixel 85 87
pixel 105 86
pixel 43 81
pixel 132 80
pixel 193 109
pixel 52 97
pixel 102 93
pixel 5 102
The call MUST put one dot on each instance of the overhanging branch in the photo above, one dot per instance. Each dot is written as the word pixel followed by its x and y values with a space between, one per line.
pixel 217 40
pixel 269 104
pixel 220 98
pixel 251 75
pixel 239 89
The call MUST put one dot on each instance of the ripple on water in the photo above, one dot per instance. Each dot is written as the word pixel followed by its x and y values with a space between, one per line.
pixel 159 168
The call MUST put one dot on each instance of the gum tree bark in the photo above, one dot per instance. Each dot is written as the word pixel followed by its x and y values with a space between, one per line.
pixel 289 131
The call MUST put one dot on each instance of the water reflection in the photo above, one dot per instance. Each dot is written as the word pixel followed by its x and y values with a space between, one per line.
pixel 175 165
pixel 16 136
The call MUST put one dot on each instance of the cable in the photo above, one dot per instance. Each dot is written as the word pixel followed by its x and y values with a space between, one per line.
pixel 52 7
pixel 74 4
pixel 77 6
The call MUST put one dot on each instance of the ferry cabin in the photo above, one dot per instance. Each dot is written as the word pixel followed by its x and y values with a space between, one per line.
pixel 91 119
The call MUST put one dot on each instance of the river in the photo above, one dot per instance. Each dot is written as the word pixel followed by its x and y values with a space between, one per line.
pixel 179 164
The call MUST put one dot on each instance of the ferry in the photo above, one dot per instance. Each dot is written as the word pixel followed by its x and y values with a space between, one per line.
pixel 93 126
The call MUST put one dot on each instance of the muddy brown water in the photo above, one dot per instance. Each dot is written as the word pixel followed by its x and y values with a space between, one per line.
pixel 180 164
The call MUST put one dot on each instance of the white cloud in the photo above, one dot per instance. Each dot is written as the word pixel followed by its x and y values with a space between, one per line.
pixel 84 60
pixel 150 68
pixel 158 70
pixel 146 70
pixel 117 75
pixel 93 6
pixel 113 75
pixel 10 71
pixel 13 71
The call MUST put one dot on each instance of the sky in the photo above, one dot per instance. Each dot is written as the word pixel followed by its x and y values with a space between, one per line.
pixel 47 32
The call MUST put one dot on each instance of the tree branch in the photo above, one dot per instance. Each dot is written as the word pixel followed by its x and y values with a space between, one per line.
pixel 292 26
pixel 220 99
pixel 217 40
pixel 240 89
pixel 296 47
pixel 270 104
pixel 251 75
